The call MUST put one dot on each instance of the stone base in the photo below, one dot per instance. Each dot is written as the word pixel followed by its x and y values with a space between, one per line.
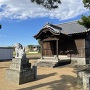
pixel 20 77
pixel 21 74
pixel 52 62
pixel 78 61
pixel 84 78
pixel 47 63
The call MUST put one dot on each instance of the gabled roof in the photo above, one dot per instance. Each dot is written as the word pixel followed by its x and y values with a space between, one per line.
pixel 72 27
pixel 65 28
pixel 52 28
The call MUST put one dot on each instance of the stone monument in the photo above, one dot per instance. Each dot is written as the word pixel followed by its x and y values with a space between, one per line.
pixel 20 70
pixel 20 51
pixel 84 78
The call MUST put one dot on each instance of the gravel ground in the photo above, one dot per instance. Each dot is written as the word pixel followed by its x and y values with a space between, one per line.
pixel 59 78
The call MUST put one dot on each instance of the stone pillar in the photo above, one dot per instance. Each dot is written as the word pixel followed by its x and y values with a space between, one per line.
pixel 35 71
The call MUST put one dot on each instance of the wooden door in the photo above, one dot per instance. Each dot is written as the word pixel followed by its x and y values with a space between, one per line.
pixel 48 48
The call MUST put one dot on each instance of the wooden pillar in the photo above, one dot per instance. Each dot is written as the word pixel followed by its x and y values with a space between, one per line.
pixel 42 50
pixel 57 49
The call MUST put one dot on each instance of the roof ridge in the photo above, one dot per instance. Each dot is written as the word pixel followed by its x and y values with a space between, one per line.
pixel 67 22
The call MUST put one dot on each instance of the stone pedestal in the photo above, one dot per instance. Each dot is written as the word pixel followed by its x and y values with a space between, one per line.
pixel 84 78
pixel 20 71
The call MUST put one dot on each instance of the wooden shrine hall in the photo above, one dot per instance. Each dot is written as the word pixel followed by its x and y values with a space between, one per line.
pixel 67 41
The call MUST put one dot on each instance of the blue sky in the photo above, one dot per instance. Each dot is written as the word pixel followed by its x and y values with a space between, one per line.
pixel 21 20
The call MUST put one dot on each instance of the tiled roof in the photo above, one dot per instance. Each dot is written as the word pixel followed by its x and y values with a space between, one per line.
pixel 55 29
pixel 71 27
pixel 65 28
pixel 52 28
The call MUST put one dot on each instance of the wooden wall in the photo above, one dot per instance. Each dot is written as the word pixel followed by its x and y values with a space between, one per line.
pixel 77 47
pixel 87 45
pixel 73 47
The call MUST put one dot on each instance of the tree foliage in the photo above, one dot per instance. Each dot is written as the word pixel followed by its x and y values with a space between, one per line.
pixel 86 3
pixel 85 21
pixel 30 47
pixel 49 4
pixel 39 41
pixel 0 26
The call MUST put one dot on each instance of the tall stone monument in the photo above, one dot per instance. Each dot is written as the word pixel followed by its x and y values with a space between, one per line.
pixel 20 70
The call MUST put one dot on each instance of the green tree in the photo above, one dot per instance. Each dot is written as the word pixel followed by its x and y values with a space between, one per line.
pixel 85 21
pixel 0 26
pixel 49 4
pixel 39 42
pixel 30 47
pixel 86 3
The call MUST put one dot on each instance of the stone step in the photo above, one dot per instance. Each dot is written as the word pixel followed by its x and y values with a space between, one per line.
pixel 52 63
pixel 49 58
pixel 53 58
pixel 46 64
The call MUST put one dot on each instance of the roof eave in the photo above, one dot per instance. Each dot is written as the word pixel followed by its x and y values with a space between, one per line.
pixel 49 29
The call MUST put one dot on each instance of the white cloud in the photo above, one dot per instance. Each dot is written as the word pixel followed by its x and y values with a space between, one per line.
pixel 24 9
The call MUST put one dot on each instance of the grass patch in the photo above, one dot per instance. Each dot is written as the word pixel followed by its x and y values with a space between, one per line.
pixel 27 53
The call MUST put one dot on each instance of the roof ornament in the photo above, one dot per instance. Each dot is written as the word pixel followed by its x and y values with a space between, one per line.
pixel 47 24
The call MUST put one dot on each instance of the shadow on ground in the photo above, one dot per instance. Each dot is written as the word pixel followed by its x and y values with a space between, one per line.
pixel 33 58
pixel 66 82
pixel 62 63
pixel 3 67
pixel 45 76
pixel 6 60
